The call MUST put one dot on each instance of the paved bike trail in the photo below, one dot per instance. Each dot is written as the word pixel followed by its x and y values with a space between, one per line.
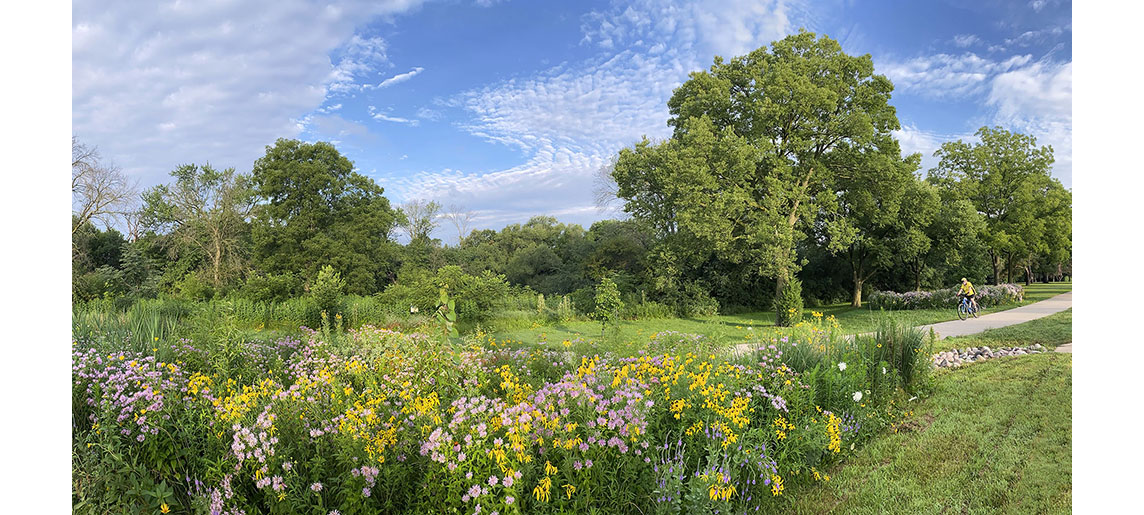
pixel 969 326
pixel 1008 317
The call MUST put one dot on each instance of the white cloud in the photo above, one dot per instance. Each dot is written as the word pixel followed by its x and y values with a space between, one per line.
pixel 570 119
pixel 1032 37
pixel 401 77
pixel 1034 99
pixel 386 117
pixel 157 85
pixel 945 76
pixel 1037 100
pixel 965 40
pixel 925 142
pixel 708 27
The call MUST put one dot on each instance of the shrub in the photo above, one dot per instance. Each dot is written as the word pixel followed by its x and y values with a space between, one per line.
pixel 987 296
pixel 261 287
pixel 788 304
pixel 608 303
pixel 192 287
pixel 327 290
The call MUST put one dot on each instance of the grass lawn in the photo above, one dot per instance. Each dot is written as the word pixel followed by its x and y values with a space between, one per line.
pixel 737 327
pixel 994 437
pixel 1050 331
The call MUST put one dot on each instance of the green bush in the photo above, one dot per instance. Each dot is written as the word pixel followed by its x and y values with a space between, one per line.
pixel 788 304
pixel 327 291
pixel 477 297
pixel 192 287
pixel 261 287
pixel 608 303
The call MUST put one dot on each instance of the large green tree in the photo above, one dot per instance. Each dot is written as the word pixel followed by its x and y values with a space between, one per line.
pixel 315 210
pixel 207 212
pixel 1005 175
pixel 920 205
pixel 751 161
pixel 869 227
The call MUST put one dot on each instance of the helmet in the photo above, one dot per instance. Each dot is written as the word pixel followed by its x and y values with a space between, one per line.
pixel 962 279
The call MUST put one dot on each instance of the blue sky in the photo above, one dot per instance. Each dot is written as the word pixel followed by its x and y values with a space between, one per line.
pixel 509 108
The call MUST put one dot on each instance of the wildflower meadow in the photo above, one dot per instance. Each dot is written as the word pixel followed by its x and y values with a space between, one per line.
pixel 379 421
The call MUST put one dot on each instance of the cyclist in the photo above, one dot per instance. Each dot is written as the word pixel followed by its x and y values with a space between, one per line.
pixel 969 292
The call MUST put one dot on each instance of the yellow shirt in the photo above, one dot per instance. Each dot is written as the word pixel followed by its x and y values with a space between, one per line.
pixel 967 288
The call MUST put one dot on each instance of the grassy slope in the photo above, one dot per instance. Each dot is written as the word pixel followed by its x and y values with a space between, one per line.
pixel 993 437
pixel 735 327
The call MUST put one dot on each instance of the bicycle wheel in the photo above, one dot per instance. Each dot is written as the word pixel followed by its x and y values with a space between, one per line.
pixel 974 311
pixel 962 311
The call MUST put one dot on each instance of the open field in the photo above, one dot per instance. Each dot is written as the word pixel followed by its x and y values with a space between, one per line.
pixel 742 326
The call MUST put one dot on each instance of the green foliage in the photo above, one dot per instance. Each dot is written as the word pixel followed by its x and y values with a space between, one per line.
pixel 788 304
pixel 327 290
pixel 759 147
pixel 316 209
pixel 205 212
pixel 192 287
pixel 1007 178
pixel 260 287
pixel 608 303
pixel 446 315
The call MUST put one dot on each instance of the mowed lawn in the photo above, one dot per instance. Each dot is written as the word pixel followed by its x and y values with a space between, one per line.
pixel 1050 331
pixel 994 437
pixel 752 325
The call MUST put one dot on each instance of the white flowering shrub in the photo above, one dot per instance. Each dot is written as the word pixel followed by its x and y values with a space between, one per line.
pixel 987 296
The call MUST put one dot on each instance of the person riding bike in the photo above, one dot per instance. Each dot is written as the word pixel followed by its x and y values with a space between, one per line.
pixel 969 292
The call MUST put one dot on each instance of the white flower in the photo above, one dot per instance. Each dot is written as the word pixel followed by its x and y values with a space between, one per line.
pixel 842 366
pixel 883 370
pixel 857 396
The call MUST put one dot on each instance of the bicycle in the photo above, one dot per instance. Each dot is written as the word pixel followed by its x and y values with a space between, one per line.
pixel 965 308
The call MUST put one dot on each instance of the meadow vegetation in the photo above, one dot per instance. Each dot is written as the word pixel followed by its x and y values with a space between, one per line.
pixel 263 343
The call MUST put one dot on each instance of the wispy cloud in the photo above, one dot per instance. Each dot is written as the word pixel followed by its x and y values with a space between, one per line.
pixel 722 27
pixel 570 119
pixel 966 40
pixel 385 117
pixel 1030 97
pixel 399 78
pixel 1037 99
pixel 944 76
pixel 159 84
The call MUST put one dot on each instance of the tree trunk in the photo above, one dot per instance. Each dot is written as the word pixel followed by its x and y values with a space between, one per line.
pixel 856 269
pixel 994 259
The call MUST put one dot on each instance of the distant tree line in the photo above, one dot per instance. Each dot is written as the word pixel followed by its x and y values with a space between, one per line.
pixel 781 172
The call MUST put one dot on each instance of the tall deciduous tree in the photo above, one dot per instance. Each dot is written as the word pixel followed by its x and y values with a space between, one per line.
pixel 208 210
pixel 1004 176
pixel 100 190
pixel 462 221
pixel 419 219
pixel 750 161
pixel 868 223
pixel 919 207
pixel 315 210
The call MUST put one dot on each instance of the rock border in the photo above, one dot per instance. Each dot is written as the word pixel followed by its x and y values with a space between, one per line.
pixel 958 357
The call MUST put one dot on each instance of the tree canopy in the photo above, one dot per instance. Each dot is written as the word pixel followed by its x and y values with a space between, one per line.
pixel 760 144
pixel 315 210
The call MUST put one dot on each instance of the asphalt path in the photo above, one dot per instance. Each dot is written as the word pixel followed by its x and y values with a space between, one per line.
pixel 982 323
